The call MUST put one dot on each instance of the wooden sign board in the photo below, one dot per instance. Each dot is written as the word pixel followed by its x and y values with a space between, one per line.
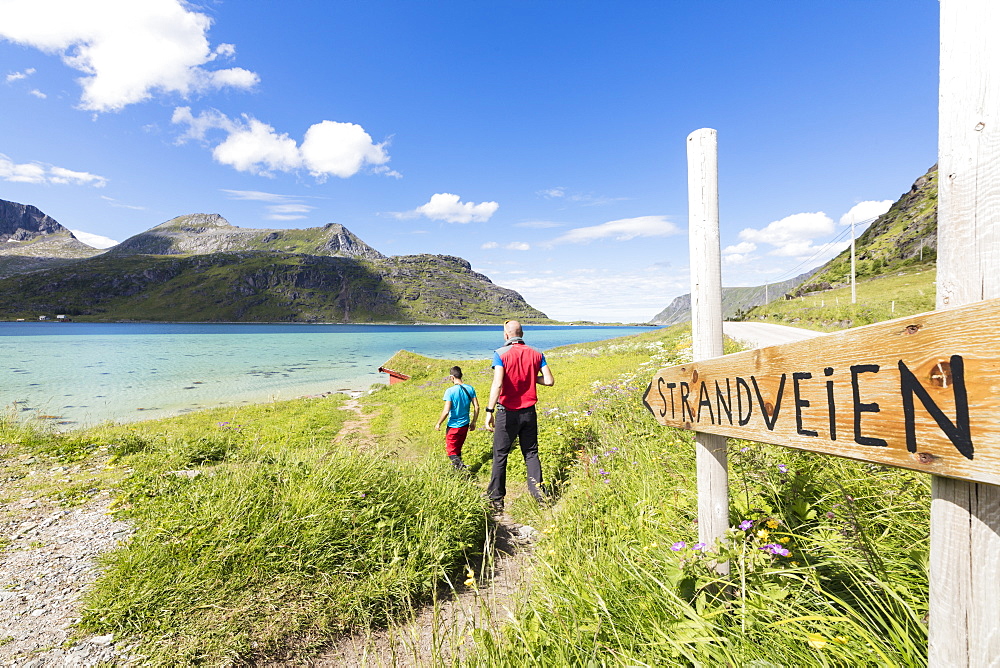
pixel 921 392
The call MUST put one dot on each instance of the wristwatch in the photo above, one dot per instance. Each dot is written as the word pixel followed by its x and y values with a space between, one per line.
pixel 489 410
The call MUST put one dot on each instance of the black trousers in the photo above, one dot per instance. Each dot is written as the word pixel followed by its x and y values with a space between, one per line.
pixel 509 425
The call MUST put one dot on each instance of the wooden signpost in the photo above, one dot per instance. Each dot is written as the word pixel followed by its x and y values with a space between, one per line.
pixel 920 393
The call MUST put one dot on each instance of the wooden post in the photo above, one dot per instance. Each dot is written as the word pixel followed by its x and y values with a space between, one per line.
pixel 706 322
pixel 965 517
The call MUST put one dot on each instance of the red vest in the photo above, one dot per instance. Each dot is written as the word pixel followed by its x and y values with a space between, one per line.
pixel 521 365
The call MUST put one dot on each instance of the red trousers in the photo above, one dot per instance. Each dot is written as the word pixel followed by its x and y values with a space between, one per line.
pixel 454 439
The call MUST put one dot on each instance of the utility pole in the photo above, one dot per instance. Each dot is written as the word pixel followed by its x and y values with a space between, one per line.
pixel 854 287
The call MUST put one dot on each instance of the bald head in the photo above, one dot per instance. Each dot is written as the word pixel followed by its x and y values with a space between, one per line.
pixel 512 328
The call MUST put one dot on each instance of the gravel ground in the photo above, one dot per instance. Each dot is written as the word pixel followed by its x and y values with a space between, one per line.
pixel 49 561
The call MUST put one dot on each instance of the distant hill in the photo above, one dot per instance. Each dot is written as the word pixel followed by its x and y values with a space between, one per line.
pixel 735 301
pixel 201 268
pixel 201 234
pixel 31 240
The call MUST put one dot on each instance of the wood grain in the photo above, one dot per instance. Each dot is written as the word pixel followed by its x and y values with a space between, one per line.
pixel 965 516
pixel 846 393
pixel 706 322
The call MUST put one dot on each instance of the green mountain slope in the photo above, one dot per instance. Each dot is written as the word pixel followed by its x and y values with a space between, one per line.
pixel 904 236
pixel 255 286
pixel 900 243
pixel 199 267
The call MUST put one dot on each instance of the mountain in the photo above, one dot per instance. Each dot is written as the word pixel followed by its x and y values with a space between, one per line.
pixel 904 235
pixel 734 301
pixel 202 268
pixel 201 234
pixel 30 240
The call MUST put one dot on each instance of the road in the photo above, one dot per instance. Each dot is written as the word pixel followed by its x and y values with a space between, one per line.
pixel 764 334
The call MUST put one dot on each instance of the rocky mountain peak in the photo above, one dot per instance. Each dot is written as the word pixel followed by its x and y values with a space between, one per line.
pixel 23 222
pixel 195 223
pixel 342 241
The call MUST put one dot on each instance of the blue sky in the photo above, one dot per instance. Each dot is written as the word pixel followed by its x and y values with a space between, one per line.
pixel 542 141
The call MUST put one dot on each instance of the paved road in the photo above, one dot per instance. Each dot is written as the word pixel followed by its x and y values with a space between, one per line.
pixel 764 334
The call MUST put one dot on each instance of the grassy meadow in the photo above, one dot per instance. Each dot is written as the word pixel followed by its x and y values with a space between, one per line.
pixel 908 291
pixel 259 537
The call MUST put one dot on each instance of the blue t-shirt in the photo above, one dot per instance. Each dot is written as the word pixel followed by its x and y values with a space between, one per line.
pixel 460 397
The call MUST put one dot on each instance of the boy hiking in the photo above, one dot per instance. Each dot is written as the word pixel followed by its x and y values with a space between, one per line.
pixel 457 400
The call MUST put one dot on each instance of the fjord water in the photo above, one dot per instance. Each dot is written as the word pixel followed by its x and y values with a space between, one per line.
pixel 85 373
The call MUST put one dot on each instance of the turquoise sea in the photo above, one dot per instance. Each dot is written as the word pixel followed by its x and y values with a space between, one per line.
pixel 86 373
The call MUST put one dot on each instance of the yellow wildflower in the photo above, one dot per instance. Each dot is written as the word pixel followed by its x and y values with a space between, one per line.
pixel 470 577
pixel 772 523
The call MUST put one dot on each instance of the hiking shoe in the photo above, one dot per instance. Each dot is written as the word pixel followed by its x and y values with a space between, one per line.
pixel 496 505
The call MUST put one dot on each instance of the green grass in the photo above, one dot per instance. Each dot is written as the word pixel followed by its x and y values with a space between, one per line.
pixel 618 581
pixel 258 286
pixel 902 293
pixel 284 540
pixel 257 535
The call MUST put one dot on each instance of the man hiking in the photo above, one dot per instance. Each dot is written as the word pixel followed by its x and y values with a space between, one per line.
pixel 457 400
pixel 510 411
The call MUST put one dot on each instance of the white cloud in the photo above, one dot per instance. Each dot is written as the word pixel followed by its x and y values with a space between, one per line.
pixel 587 199
pixel 62 175
pixel 600 295
pixel 385 171
pixel 793 235
pixel 257 196
pixel 340 149
pixel 37 172
pixel 514 245
pixel 258 149
pixel 127 50
pixel 625 229
pixel 113 202
pixel 94 240
pixel 198 126
pixel 867 210
pixel 291 208
pixel 280 207
pixel 742 247
pixel 21 173
pixel 329 148
pixel 17 76
pixel 450 209
pixel 538 224
pixel 740 253
pixel 288 211
pixel 37 93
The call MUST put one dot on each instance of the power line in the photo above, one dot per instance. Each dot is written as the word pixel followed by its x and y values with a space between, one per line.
pixel 821 251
